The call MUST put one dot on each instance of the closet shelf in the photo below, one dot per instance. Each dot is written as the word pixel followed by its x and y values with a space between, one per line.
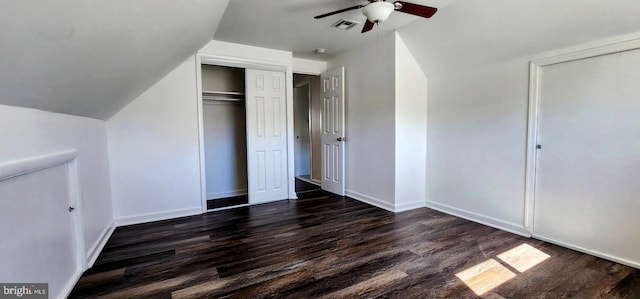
pixel 223 96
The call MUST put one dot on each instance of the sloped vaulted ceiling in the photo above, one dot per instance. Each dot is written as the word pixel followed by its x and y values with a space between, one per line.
pixel 472 33
pixel 92 57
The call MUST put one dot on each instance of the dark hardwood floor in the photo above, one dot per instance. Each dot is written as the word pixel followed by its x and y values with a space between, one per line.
pixel 336 247
pixel 306 190
pixel 303 189
pixel 302 186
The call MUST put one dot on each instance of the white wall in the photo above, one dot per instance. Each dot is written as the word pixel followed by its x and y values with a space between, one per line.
pixel 27 133
pixel 154 151
pixel 218 78
pixel 411 129
pixel 309 67
pixel 154 145
pixel 43 250
pixel 370 121
pixel 316 130
pixel 301 127
pixel 476 142
pixel 225 146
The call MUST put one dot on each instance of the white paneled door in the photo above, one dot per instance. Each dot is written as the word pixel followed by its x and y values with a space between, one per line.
pixel 588 171
pixel 266 135
pixel 333 131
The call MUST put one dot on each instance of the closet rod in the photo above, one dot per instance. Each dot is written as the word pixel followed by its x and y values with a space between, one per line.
pixel 223 93
pixel 229 96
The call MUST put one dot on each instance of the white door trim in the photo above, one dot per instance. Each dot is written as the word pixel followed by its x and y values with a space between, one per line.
pixel 604 47
pixel 222 60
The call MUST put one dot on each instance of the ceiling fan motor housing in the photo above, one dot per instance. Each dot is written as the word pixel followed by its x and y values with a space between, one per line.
pixel 378 11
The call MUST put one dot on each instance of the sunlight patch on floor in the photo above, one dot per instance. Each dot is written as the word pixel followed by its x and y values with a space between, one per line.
pixel 485 276
pixel 490 274
pixel 523 257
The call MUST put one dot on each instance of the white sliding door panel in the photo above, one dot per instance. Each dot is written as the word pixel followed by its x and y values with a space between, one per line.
pixel 588 168
pixel 266 135
pixel 333 133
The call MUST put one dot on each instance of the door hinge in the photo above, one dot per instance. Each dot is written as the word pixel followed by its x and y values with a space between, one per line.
pixel 71 209
pixel 539 146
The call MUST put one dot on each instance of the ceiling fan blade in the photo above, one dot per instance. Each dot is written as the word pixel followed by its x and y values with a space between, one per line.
pixel 416 9
pixel 367 26
pixel 338 11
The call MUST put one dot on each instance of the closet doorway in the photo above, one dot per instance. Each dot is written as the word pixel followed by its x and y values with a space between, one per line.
pixel 583 150
pixel 246 132
pixel 307 132
pixel 225 136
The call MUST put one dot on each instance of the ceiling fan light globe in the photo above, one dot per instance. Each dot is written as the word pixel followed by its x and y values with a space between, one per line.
pixel 379 11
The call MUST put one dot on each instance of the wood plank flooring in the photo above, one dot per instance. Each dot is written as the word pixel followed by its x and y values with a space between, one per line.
pixel 302 186
pixel 336 247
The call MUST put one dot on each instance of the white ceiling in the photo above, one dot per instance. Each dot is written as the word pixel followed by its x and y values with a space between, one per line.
pixel 289 25
pixel 473 33
pixel 91 58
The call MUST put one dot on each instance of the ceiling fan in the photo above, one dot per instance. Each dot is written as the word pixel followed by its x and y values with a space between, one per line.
pixel 377 11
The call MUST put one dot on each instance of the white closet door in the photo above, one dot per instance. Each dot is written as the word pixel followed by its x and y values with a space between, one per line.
pixel 266 135
pixel 588 172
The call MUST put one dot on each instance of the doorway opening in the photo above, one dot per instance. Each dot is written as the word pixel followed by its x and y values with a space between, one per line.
pixel 224 135
pixel 307 130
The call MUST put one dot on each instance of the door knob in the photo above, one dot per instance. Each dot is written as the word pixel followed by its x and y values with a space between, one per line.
pixel 342 139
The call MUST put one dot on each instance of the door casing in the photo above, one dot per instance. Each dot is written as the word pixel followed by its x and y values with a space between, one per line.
pixel 247 63
pixel 600 48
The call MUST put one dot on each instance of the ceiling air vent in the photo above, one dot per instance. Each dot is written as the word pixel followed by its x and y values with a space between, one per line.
pixel 345 24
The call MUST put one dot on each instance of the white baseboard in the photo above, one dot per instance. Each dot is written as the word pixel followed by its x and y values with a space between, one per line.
pixel 245 205
pixel 370 200
pixel 486 220
pixel 225 194
pixel 228 208
pixel 591 252
pixel 410 206
pixel 98 245
pixel 156 216
pixel 73 280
